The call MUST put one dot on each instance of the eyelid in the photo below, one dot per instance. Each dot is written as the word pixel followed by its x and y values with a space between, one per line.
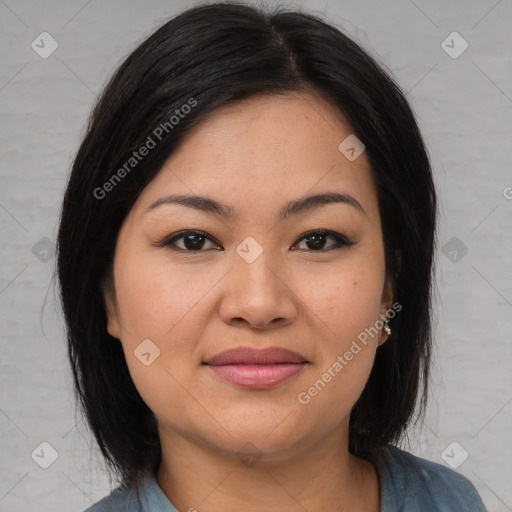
pixel 341 240
pixel 168 241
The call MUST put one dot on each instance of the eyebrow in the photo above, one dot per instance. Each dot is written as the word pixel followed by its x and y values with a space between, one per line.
pixel 304 204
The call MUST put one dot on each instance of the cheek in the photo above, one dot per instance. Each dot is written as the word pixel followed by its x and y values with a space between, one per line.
pixel 162 305
pixel 343 300
pixel 347 309
pixel 155 297
pixel 158 305
pixel 344 304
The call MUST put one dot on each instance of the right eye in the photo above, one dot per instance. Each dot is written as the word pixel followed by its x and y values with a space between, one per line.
pixel 191 241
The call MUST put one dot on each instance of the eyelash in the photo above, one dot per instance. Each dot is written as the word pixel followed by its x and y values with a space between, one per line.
pixel 341 241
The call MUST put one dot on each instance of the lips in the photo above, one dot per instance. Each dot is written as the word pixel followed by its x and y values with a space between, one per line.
pixel 257 369
pixel 247 355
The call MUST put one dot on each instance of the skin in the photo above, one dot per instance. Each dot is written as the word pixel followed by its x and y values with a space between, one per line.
pixel 255 155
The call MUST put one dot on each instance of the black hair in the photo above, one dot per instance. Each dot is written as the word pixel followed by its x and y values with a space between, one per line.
pixel 205 57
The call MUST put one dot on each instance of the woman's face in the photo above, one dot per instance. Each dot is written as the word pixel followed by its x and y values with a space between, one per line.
pixel 254 279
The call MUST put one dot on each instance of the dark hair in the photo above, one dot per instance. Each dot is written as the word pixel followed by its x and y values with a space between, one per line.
pixel 207 56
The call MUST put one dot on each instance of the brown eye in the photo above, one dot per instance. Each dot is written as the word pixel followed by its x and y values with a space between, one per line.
pixel 190 241
pixel 316 240
pixel 195 241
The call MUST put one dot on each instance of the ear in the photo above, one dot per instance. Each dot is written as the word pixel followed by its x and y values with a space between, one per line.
pixel 386 303
pixel 387 293
pixel 113 323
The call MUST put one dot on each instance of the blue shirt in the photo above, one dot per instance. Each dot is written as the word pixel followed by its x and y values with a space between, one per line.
pixel 408 484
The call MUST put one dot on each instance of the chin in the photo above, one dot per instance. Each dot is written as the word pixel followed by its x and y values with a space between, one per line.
pixel 266 438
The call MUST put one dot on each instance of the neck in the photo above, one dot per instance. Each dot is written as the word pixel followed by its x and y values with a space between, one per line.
pixel 198 477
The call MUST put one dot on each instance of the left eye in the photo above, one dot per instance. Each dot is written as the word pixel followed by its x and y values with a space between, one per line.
pixel 194 241
pixel 317 239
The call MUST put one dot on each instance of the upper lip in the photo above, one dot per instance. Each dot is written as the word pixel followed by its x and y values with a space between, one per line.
pixel 248 355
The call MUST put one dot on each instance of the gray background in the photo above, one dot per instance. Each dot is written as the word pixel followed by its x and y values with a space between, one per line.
pixel 464 109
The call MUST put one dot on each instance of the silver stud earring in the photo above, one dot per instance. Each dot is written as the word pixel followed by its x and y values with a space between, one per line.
pixel 386 327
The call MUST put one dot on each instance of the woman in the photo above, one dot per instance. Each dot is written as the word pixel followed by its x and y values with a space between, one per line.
pixel 245 260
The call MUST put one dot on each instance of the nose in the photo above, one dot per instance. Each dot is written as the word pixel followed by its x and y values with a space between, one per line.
pixel 258 296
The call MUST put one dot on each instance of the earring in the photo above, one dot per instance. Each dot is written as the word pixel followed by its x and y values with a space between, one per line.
pixel 386 327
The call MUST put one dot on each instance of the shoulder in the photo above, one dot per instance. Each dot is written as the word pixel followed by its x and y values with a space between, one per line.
pixel 119 500
pixel 418 484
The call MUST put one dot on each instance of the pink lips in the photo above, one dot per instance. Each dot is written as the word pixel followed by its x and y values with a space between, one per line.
pixel 257 369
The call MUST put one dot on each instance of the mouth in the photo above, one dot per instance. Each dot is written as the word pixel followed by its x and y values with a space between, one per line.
pixel 257 369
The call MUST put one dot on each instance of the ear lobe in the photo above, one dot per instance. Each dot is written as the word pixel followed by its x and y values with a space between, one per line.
pixel 387 293
pixel 387 301
pixel 113 325
pixel 383 337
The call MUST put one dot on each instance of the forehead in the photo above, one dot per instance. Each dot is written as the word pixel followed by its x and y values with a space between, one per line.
pixel 263 149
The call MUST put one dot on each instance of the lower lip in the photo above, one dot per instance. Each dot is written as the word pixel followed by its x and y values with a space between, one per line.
pixel 260 376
